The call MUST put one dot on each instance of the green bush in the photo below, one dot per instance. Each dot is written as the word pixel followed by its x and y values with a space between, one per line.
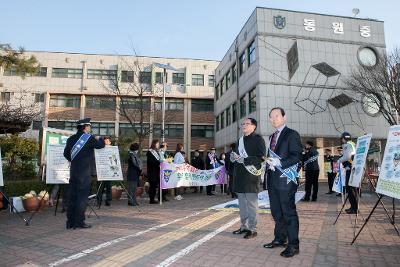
pixel 20 188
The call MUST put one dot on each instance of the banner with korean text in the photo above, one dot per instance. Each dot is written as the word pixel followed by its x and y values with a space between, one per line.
pixel 177 175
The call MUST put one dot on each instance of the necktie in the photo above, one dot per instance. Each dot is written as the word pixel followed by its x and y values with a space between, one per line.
pixel 273 141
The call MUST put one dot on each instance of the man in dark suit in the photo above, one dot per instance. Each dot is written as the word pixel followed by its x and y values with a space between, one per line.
pixel 229 166
pixel 285 143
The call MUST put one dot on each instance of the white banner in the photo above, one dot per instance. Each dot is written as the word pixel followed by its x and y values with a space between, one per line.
pixel 389 176
pixel 1 170
pixel 108 164
pixel 357 170
pixel 57 168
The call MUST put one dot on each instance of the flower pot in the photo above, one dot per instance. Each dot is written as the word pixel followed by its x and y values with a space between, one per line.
pixel 42 204
pixel 116 193
pixel 139 191
pixel 31 204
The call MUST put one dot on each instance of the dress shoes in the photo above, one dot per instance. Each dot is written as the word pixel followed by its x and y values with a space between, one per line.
pixel 290 252
pixel 250 234
pixel 108 203
pixel 239 232
pixel 84 225
pixel 68 225
pixel 351 211
pixel 153 202
pixel 274 244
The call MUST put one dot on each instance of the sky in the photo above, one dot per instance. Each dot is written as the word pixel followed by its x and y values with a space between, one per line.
pixel 171 28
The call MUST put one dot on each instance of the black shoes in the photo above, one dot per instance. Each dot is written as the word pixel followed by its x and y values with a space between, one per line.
pixel 108 203
pixel 305 199
pixel 83 225
pixel 153 202
pixel 274 244
pixel 330 192
pixel 210 194
pixel 239 232
pixel 250 234
pixel 290 252
pixel 68 225
pixel 351 211
pixel 313 200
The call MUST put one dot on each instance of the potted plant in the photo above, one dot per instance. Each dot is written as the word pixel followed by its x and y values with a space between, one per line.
pixel 33 202
pixel 116 192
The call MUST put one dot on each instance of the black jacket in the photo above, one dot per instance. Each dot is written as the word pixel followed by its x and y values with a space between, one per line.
pixel 313 165
pixel 229 166
pixel 290 150
pixel 153 167
pixel 198 163
pixel 134 168
pixel 244 181
pixel 82 165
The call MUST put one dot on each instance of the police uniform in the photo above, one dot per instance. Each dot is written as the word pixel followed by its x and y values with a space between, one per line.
pixel 80 173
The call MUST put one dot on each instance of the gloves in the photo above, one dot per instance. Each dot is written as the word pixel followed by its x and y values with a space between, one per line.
pixel 232 157
pixel 275 162
pixel 240 159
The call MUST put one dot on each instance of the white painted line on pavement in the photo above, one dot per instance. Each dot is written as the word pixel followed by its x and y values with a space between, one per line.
pixel 111 242
pixel 196 244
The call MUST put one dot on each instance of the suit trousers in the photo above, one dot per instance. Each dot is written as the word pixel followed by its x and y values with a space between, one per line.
pixel 312 182
pixel 248 205
pixel 352 192
pixel 331 179
pixel 283 209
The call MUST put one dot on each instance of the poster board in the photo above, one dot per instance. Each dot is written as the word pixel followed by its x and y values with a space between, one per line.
pixel 360 157
pixel 1 170
pixel 57 167
pixel 389 176
pixel 51 136
pixel 108 164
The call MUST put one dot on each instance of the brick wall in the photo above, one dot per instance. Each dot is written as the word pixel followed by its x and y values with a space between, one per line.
pixel 64 113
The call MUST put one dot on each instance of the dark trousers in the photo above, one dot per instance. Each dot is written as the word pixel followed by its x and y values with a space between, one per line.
pixel 104 185
pixel 209 189
pixel 351 191
pixel 331 179
pixel 153 189
pixel 132 186
pixel 312 182
pixel 283 210
pixel 78 192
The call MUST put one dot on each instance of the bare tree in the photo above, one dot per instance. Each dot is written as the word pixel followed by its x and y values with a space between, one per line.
pixel 379 85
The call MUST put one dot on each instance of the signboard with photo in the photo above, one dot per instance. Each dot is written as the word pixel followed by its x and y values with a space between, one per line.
pixel 108 164
pixel 57 169
pixel 389 176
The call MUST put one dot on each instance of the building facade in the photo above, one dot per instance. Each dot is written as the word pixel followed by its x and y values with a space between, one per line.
pixel 119 93
pixel 298 61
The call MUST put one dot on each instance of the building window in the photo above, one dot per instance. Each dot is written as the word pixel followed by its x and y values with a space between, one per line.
pixel 171 130
pixel 234 71
pixel 198 79
pixel 135 103
pixel 217 92
pixel 242 106
pixel 211 80
pixel 252 101
pixel 228 116
pixel 145 77
pixel 242 63
pixel 222 86
pixel 40 72
pixel 217 123
pixel 234 112
pixel 63 125
pixel 103 128
pixel 178 78
pixel 99 102
pixel 205 131
pixel 102 74
pixel 126 129
pixel 228 80
pixel 170 104
pixel 67 73
pixel 202 105
pixel 39 98
pixel 5 97
pixel 70 101
pixel 159 77
pixel 222 118
pixel 251 51
pixel 127 76
pixel 12 71
pixel 36 125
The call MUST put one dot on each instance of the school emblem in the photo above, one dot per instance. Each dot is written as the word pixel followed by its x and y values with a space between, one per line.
pixel 167 175
pixel 279 22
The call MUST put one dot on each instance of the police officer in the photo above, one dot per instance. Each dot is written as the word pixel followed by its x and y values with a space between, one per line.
pixel 79 152
pixel 311 167
pixel 346 160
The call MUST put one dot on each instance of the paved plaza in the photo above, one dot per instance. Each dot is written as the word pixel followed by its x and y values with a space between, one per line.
pixel 186 233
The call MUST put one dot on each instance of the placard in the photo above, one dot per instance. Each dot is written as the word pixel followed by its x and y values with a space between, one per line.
pixel 57 168
pixel 389 176
pixel 108 164
pixel 360 157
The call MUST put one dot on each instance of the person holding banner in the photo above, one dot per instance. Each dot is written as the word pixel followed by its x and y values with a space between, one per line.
pixel 248 157
pixel 311 167
pixel 347 161
pixel 284 156
pixel 79 151
pixel 153 171
pixel 212 162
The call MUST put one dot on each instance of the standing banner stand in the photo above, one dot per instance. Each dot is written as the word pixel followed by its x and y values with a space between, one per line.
pixel 108 167
pixel 389 176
